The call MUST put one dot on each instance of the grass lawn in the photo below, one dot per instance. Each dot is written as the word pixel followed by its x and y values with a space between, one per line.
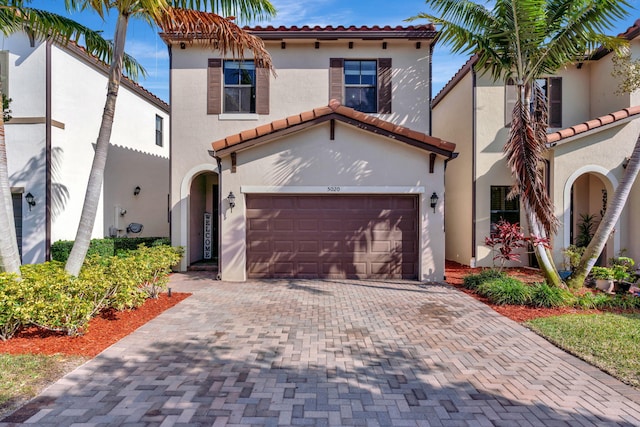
pixel 22 377
pixel 608 341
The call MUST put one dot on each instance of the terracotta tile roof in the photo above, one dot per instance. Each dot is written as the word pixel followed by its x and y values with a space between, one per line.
pixel 337 111
pixel 427 31
pixel 554 137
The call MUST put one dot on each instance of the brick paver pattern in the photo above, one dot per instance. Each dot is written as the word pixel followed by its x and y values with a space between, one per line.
pixel 318 353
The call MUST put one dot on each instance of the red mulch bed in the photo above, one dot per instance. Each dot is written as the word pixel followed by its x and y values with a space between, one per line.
pixel 111 326
pixel 103 331
pixel 455 274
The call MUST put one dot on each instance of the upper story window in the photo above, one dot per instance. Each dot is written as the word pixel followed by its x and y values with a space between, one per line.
pixel 361 85
pixel 552 89
pixel 239 87
pixel 159 141
pixel 364 85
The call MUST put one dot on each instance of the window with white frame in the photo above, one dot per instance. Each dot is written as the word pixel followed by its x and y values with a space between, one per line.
pixel 239 87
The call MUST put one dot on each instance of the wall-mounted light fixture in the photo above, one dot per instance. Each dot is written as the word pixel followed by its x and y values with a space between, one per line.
pixel 30 200
pixel 123 211
pixel 232 200
pixel 136 190
pixel 434 201
pixel 625 162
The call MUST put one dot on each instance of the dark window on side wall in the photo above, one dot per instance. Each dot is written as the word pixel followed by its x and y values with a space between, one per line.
pixel 159 141
pixel 502 208
pixel 552 89
pixel 239 87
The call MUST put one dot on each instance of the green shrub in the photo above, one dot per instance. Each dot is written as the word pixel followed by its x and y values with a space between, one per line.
pixel 106 247
pixel 13 295
pixel 543 295
pixel 472 281
pixel 50 298
pixel 155 265
pixel 590 301
pixel 506 290
pixel 60 302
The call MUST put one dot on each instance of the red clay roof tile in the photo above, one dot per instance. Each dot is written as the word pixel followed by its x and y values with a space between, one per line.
pixel 334 107
pixel 594 123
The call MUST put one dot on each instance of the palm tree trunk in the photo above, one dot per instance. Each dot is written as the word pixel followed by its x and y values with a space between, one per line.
pixel 94 186
pixel 543 255
pixel 611 216
pixel 9 255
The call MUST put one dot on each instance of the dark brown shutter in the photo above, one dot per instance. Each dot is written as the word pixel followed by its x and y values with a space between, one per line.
pixel 336 79
pixel 384 85
pixel 555 102
pixel 214 86
pixel 262 90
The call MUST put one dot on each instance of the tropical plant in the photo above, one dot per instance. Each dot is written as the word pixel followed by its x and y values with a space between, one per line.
pixel 183 19
pixel 602 273
pixel 586 228
pixel 15 16
pixel 524 40
pixel 504 242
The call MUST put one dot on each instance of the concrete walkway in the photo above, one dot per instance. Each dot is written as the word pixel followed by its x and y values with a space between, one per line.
pixel 331 353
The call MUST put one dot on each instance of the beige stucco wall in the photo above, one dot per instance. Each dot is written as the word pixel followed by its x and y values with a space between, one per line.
pixel 356 161
pixel 453 121
pixel 593 154
pixel 302 84
pixel 491 167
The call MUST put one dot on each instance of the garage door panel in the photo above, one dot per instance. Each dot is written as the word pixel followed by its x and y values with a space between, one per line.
pixel 282 225
pixel 309 247
pixel 307 225
pixel 345 236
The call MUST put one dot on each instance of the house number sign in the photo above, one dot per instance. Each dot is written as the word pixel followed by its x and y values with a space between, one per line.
pixel 333 189
pixel 207 236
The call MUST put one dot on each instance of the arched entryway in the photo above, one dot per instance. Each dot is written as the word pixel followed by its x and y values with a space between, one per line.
pixel 587 194
pixel 203 223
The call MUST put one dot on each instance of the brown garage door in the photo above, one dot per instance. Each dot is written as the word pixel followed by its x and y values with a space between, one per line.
pixel 346 236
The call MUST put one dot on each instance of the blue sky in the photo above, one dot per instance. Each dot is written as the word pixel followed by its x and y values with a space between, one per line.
pixel 146 46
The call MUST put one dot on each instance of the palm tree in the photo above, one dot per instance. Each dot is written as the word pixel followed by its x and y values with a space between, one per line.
pixel 524 40
pixel 177 15
pixel 15 17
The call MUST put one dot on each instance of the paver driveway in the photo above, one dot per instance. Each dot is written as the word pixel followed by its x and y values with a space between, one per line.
pixel 332 353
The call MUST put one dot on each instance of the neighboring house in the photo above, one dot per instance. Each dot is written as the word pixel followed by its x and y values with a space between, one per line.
pixel 58 95
pixel 326 170
pixel 592 132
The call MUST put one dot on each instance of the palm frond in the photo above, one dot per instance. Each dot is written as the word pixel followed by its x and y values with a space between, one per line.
pixel 218 32
pixel 245 10
pixel 60 29
pixel 524 152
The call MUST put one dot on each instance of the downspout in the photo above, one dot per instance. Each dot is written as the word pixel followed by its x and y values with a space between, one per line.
pixel 473 167
pixel 170 143
pixel 431 47
pixel 219 201
pixel 47 139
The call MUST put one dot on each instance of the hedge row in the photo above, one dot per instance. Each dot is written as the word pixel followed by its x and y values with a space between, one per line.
pixel 50 298
pixel 106 247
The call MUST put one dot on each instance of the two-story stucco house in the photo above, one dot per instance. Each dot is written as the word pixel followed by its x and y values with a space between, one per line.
pixel 592 131
pixel 326 169
pixel 58 95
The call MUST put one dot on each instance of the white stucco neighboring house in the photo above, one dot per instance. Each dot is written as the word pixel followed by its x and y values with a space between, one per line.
pixel 592 132
pixel 326 170
pixel 57 97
